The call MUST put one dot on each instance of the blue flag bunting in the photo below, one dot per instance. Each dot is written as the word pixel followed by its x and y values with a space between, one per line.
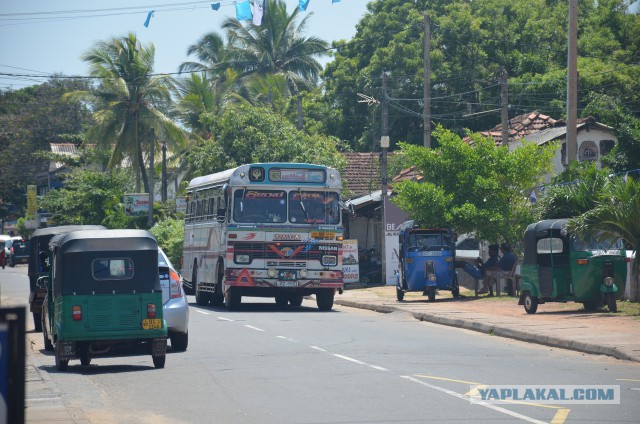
pixel 303 5
pixel 149 15
pixel 335 1
pixel 215 6
pixel 243 11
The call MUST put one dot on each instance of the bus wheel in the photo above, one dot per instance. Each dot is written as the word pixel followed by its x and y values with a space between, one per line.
pixel 295 300
pixel 218 296
pixel 232 298
pixel 201 298
pixel 324 299
pixel 282 301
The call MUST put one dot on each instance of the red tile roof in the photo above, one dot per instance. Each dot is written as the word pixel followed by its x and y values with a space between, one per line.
pixel 521 126
pixel 362 173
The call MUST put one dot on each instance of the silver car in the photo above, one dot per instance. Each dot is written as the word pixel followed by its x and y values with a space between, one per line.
pixel 176 306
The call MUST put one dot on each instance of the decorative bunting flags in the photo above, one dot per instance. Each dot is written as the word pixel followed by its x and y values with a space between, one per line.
pixel 303 5
pixel 243 10
pixel 258 11
pixel 215 6
pixel 335 1
pixel 149 15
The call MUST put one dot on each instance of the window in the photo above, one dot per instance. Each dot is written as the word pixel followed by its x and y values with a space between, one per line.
pixel 112 269
pixel 549 245
pixel 314 207
pixel 259 206
pixel 606 146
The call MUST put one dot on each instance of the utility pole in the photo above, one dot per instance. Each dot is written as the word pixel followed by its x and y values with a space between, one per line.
pixel 299 102
pixel 504 107
pixel 151 181
pixel 384 145
pixel 427 82
pixel 572 84
pixel 163 193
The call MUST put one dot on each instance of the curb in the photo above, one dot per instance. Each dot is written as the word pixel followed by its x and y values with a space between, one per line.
pixel 502 331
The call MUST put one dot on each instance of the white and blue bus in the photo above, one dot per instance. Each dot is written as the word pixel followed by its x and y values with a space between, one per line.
pixel 264 230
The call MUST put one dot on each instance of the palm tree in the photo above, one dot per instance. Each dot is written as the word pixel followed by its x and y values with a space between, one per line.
pixel 127 101
pixel 275 47
pixel 615 215
pixel 210 50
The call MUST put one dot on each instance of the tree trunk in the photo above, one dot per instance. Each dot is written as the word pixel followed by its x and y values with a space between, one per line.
pixel 633 281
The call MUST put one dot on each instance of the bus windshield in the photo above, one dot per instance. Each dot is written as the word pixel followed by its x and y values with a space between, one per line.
pixel 259 206
pixel 314 207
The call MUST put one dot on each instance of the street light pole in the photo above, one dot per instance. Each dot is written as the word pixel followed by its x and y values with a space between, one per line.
pixel 384 145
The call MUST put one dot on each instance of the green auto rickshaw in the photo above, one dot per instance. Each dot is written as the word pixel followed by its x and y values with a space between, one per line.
pixel 560 267
pixel 103 296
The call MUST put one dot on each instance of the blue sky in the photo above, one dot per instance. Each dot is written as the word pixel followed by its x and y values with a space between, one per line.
pixel 33 42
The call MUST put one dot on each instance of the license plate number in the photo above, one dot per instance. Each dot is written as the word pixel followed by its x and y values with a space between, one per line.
pixel 152 324
pixel 287 283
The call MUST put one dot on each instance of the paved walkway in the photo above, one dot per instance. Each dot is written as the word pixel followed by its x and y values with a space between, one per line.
pixel 563 325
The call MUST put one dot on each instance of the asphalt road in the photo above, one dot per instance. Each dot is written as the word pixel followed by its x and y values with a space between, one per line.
pixel 262 364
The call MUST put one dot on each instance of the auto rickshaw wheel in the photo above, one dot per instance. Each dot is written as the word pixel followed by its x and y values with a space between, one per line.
pixel 85 356
pixel 158 361
pixel 61 364
pixel 611 302
pixel 590 306
pixel 530 303
pixel 37 321
pixel 399 294
pixel 48 346
pixel 432 294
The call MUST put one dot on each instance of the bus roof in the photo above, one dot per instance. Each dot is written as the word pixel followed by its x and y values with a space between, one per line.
pixel 240 176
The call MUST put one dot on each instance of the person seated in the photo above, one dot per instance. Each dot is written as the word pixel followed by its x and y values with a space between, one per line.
pixel 504 268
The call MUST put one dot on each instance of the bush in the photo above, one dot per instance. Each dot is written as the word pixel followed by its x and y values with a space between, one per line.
pixel 170 236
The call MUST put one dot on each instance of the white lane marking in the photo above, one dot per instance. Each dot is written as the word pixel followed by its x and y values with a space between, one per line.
pixel 317 348
pixel 202 312
pixel 225 319
pixel 477 402
pixel 253 328
pixel 375 367
pixel 346 358
pixel 285 338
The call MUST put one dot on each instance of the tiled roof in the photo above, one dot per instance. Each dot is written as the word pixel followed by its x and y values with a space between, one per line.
pixel 362 173
pixel 521 126
pixel 408 174
pixel 68 149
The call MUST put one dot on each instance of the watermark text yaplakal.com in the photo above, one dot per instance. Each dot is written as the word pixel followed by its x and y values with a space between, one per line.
pixel 546 394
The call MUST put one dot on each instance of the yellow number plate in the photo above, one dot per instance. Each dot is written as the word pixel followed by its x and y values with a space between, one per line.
pixel 152 324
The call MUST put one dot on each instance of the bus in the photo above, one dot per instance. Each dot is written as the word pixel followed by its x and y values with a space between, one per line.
pixel 264 230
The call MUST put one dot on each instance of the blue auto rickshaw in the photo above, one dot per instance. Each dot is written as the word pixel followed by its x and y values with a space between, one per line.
pixel 426 261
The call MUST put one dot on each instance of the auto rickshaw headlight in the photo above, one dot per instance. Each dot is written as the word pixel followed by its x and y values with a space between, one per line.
pixel 608 281
pixel 272 273
pixel 432 277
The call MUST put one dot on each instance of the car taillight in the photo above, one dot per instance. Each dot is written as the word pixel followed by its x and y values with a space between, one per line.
pixel 174 285
pixel 151 310
pixel 76 313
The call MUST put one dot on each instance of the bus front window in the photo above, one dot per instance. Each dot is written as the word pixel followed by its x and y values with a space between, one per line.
pixel 314 207
pixel 259 206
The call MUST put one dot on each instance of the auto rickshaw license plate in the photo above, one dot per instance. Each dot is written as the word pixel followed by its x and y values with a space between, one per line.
pixel 152 324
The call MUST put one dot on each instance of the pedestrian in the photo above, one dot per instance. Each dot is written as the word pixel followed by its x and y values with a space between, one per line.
pixel 491 265
pixel 3 258
pixel 504 267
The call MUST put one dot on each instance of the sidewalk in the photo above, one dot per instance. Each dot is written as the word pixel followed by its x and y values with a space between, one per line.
pixel 562 325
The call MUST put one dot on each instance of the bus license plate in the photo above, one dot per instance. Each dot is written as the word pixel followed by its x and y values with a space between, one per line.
pixel 287 275
pixel 152 324
pixel 287 283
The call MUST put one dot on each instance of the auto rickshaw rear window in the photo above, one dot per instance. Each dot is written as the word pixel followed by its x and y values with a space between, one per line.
pixel 112 269
pixel 550 245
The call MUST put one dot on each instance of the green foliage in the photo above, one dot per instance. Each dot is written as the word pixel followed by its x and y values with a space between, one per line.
pixel 170 235
pixel 477 188
pixel 246 134
pixel 89 197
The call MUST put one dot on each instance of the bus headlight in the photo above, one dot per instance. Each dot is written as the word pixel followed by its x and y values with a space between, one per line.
pixel 242 259
pixel 272 273
pixel 608 281
pixel 329 260
pixel 303 273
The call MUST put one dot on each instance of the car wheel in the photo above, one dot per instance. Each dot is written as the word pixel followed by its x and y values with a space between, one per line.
pixel 61 364
pixel 37 321
pixel 179 341
pixel 611 302
pixel 324 299
pixel 158 361
pixel 530 303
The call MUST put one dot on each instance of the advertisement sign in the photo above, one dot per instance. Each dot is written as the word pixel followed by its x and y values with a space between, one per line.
pixel 350 267
pixel 12 364
pixel 32 201
pixel 136 204
pixel 394 217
